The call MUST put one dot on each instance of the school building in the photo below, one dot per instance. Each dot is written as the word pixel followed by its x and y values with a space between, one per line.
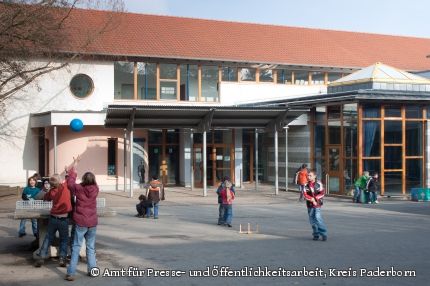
pixel 196 100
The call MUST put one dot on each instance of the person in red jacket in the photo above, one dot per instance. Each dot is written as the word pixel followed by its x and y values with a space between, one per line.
pixel 85 219
pixel 58 219
pixel 314 193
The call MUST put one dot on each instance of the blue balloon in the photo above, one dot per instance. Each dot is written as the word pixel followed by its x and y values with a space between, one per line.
pixel 76 125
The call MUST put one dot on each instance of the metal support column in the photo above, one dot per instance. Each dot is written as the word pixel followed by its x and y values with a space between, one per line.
pixel 286 158
pixel 276 163
pixel 256 160
pixel 131 163
pixel 192 158
pixel 55 151
pixel 204 165
pixel 125 160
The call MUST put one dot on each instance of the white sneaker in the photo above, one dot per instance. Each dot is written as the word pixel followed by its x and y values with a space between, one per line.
pixel 376 202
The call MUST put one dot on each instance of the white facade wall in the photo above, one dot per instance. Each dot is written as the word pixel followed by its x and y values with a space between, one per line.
pixel 233 93
pixel 19 149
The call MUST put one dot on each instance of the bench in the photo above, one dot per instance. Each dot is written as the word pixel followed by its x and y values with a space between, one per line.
pixel 40 210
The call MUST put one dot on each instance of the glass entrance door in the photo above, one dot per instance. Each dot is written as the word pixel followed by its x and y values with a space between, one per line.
pixel 219 162
pixel 334 183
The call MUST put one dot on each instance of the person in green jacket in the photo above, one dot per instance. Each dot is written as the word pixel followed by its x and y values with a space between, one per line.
pixel 360 185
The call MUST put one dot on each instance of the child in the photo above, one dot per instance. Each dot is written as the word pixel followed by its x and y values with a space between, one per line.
pixel 372 188
pixel 155 193
pixel 142 206
pixel 227 202
pixel 29 193
pixel 220 207
pixel 45 189
pixel 59 194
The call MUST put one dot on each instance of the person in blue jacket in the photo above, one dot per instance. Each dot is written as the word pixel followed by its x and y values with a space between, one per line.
pixel 29 193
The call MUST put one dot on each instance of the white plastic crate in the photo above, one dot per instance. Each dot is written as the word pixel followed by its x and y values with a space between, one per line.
pixel 33 205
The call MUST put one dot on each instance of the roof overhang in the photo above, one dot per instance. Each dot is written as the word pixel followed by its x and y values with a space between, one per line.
pixel 63 118
pixel 359 95
pixel 198 117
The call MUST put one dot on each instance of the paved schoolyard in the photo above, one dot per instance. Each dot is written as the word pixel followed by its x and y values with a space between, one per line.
pixel 366 243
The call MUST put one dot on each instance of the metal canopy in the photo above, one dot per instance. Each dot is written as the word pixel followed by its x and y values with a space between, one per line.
pixel 200 118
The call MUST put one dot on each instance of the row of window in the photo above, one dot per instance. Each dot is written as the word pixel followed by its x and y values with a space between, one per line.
pixel 187 82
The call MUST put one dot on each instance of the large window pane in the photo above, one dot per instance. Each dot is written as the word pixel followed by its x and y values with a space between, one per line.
pixel 247 74
pixel 301 77
pixel 371 111
pixel 372 166
pixel 229 74
pixel 189 84
pixel 371 138
pixel 168 89
pixel 151 81
pixel 318 78
pixel 284 76
pixel 414 174
pixel 155 137
pixel 350 129
pixel 393 132
pixel 413 111
pixel 168 71
pixel 123 80
pixel 334 132
pixel 392 111
pixel 210 83
pixel 349 173
pixel 319 140
pixel 414 138
pixel 393 182
pixel 266 75
pixel 393 157
pixel 223 136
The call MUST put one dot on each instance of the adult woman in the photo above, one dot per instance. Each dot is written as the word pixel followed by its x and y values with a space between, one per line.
pixel 85 218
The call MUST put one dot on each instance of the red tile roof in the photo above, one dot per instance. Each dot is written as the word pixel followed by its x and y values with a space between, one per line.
pixel 176 37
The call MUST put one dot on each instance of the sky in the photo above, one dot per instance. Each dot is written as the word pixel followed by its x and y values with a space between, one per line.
pixel 392 17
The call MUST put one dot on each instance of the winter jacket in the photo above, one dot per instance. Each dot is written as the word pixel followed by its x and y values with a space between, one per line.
pixel 314 190
pixel 302 177
pixel 226 200
pixel 220 188
pixel 30 193
pixel 155 191
pixel 61 202
pixel 361 182
pixel 85 209
pixel 372 185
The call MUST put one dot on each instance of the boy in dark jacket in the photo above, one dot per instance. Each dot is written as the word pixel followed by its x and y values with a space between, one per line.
pixel 314 193
pixel 372 189
pixel 142 206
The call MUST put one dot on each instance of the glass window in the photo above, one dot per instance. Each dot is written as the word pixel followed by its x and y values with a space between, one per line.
pixel 223 136
pixel 168 71
pixel 413 111
pixel 81 85
pixel 155 137
pixel 414 174
pixel 247 74
pixel 371 138
pixel 318 78
pixel 349 173
pixel 393 132
pixel 284 76
pixel 393 182
pixel 392 111
pixel 371 111
pixel 393 157
pixel 372 166
pixel 147 81
pixel 319 140
pixel 209 83
pixel 189 83
pixel 229 73
pixel 333 112
pixel 266 75
pixel 123 80
pixel 334 132
pixel 112 162
pixel 168 90
pixel 414 138
pixel 301 77
pixel 333 76
pixel 172 136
